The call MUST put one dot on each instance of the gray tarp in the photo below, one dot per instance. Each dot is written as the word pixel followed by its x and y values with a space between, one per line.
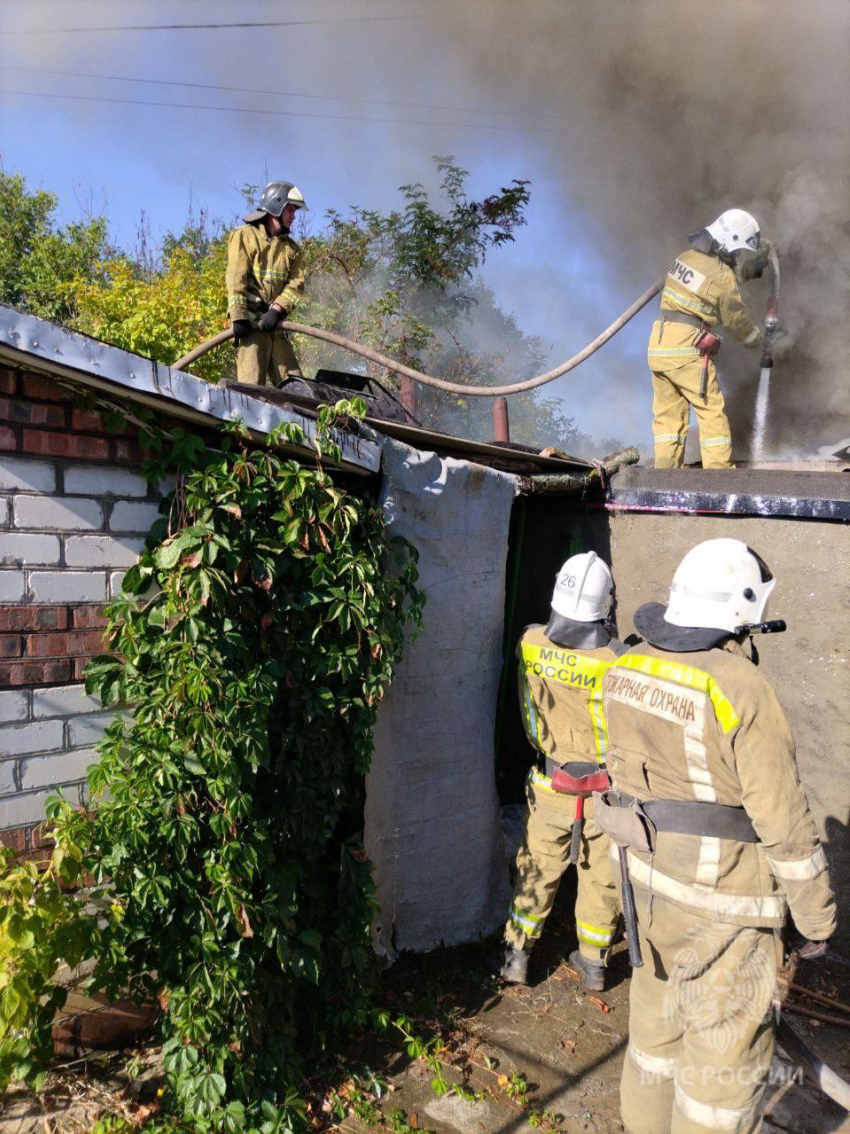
pixel 432 813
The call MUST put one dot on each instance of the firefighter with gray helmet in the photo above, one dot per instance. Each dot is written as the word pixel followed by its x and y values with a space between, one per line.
pixel 718 841
pixel 265 279
pixel 561 667
pixel 700 292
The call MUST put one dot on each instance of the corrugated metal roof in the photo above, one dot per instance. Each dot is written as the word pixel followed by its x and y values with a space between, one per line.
pixel 86 361
pixel 82 360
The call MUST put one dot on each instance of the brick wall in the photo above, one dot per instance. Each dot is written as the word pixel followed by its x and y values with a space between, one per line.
pixel 74 512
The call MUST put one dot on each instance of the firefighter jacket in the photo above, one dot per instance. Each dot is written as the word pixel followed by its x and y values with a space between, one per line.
pixel 560 690
pixel 262 270
pixel 707 726
pixel 705 288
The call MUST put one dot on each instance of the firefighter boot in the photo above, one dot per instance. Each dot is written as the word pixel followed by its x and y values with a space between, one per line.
pixel 592 973
pixel 514 969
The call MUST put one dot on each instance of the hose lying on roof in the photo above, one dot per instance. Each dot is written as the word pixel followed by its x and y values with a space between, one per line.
pixel 427 379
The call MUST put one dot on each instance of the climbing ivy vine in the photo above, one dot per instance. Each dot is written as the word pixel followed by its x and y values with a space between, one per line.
pixel 258 633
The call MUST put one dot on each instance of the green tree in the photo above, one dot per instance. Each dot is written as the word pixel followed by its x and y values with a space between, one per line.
pixel 40 261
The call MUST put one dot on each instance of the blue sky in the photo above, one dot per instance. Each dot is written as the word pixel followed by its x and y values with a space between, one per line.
pixel 566 276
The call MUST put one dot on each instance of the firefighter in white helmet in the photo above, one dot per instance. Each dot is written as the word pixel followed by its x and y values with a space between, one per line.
pixel 561 667
pixel 720 846
pixel 700 293
pixel 265 279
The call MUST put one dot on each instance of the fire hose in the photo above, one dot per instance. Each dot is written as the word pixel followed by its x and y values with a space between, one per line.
pixel 428 379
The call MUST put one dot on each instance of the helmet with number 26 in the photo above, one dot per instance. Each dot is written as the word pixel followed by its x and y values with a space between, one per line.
pixel 583 588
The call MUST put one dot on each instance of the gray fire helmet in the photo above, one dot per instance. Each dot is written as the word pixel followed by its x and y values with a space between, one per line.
pixel 276 196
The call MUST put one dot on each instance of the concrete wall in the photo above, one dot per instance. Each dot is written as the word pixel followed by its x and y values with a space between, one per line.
pixel 809 665
pixel 74 511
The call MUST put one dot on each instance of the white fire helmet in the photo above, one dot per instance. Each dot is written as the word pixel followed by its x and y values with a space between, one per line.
pixel 735 230
pixel 720 584
pixel 583 588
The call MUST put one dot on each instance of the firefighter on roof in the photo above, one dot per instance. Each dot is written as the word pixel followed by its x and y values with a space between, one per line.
pixel 560 676
pixel 265 279
pixel 719 845
pixel 700 293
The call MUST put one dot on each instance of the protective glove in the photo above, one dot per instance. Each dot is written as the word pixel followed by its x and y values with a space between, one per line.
pixel 754 269
pixel 270 320
pixel 241 328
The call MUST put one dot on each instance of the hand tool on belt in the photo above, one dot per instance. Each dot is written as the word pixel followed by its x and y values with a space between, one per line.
pixel 580 778
pixel 708 344
pixel 630 822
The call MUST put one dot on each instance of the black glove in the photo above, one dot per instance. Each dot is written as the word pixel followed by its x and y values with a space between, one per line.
pixel 754 269
pixel 241 328
pixel 270 320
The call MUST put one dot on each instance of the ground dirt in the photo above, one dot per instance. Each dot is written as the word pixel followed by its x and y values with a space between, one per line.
pixel 547 1056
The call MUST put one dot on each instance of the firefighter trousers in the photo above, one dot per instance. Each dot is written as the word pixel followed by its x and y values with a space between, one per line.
pixel 700 1024
pixel 265 358
pixel 541 862
pixel 673 394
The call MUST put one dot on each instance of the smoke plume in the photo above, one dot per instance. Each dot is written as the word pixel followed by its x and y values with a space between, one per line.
pixel 669 112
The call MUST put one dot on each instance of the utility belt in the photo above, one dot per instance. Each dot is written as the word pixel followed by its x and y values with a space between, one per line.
pixel 630 823
pixel 708 344
pixel 579 778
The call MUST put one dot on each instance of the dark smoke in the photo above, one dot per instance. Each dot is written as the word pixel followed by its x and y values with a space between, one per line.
pixel 670 112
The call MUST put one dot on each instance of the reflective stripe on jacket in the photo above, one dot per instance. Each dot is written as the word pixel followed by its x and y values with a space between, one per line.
pixel 707 726
pixel 704 287
pixel 262 269
pixel 560 694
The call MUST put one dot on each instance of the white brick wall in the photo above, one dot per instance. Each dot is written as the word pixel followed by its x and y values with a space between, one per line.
pixel 132 517
pixel 64 767
pixel 24 549
pixel 102 551
pixel 67 586
pixel 13 585
pixel 68 513
pixel 104 480
pixel 14 705
pixel 39 736
pixel 88 729
pixel 27 474
pixel 72 530
pixel 69 532
pixel 61 701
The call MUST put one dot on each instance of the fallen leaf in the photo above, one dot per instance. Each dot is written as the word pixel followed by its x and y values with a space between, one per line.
pixel 502 1080
pixel 599 1003
pixel 234 510
pixel 413 1121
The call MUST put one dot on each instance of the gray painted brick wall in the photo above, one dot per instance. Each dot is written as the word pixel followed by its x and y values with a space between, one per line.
pixel 68 533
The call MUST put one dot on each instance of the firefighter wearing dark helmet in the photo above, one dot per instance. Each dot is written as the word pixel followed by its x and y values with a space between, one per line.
pixel 265 279
pixel 719 846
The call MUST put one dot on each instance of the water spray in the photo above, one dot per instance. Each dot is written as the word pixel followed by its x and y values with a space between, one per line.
pixel 772 335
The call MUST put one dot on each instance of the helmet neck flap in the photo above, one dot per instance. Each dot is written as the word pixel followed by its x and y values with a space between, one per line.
pixel 572 635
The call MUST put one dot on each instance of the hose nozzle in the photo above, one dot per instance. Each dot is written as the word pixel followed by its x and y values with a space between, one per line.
pixel 777 626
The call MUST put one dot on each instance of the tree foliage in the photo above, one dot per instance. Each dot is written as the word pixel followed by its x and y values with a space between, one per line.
pixel 40 261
